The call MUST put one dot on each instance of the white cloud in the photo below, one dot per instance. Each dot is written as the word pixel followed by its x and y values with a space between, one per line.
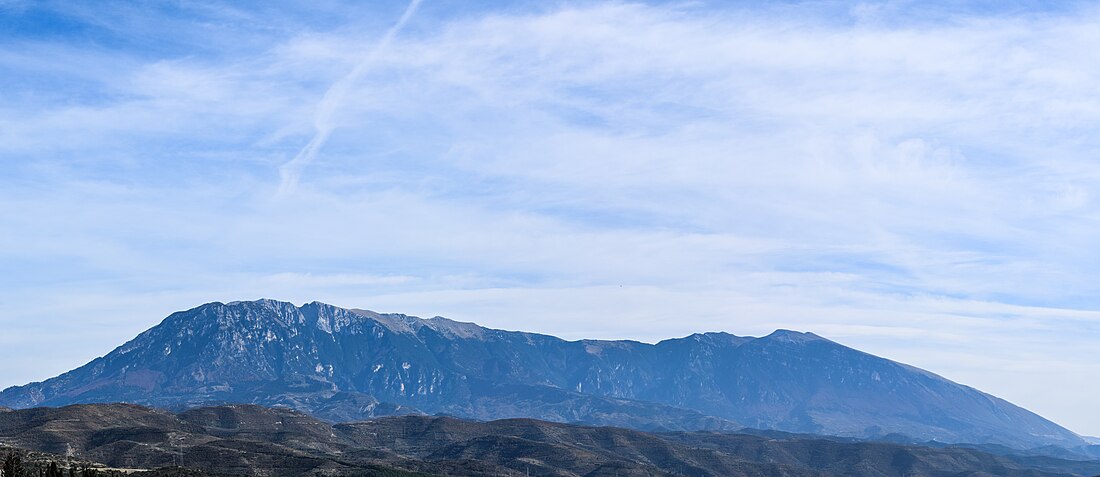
pixel 324 116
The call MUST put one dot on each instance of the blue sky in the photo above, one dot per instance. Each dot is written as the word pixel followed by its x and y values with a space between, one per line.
pixel 914 179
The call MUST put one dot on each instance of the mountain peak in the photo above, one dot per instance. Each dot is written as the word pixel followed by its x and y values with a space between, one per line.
pixel 790 336
pixel 352 364
pixel 257 302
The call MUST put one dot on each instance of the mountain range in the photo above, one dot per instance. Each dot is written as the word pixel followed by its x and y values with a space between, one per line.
pixel 346 364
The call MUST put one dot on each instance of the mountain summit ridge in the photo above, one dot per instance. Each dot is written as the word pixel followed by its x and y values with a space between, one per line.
pixel 349 364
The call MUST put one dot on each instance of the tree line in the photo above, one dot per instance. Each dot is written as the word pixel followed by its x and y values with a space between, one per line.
pixel 15 467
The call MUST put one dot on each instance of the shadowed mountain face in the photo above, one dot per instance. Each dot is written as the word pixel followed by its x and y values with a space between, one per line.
pixel 247 439
pixel 341 364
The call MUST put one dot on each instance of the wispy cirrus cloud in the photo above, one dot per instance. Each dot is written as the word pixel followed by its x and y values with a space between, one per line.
pixel 323 118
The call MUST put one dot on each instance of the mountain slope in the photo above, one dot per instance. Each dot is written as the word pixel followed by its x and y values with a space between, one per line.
pixel 351 364
pixel 253 440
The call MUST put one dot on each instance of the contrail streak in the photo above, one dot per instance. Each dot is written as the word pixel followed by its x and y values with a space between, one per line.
pixel 323 124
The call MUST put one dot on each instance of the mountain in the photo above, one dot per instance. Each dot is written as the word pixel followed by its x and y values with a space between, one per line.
pixel 253 440
pixel 342 364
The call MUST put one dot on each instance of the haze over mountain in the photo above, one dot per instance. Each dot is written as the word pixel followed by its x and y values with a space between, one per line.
pixel 342 364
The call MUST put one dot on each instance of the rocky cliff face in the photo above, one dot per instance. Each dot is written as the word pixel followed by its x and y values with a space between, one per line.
pixel 343 364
